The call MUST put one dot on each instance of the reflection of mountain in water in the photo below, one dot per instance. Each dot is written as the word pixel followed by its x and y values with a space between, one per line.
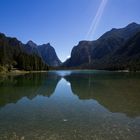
pixel 119 92
pixel 13 88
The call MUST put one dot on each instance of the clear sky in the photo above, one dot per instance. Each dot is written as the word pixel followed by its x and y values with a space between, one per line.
pixel 64 23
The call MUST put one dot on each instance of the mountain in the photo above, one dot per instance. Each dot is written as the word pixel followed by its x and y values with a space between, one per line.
pixel 31 48
pixel 95 54
pixel 45 51
pixel 13 55
pixel 29 56
pixel 126 56
pixel 49 55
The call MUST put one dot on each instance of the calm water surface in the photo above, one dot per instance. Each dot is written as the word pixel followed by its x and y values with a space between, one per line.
pixel 70 105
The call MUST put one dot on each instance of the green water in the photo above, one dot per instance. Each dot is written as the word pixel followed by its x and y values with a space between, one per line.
pixel 70 105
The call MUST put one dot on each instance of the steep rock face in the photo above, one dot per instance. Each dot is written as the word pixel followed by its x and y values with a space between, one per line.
pixel 45 51
pixel 80 54
pixel 31 48
pixel 88 52
pixel 49 55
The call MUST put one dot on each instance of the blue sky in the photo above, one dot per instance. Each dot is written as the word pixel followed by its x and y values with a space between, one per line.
pixel 64 23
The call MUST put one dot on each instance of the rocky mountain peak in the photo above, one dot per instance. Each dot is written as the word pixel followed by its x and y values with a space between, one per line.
pixel 31 43
pixel 133 24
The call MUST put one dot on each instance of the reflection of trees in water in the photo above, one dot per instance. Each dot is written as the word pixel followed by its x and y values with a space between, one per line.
pixel 13 88
pixel 119 92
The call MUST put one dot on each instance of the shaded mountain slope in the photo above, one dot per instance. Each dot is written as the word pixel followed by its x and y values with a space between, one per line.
pixel 95 54
pixel 49 55
pixel 13 55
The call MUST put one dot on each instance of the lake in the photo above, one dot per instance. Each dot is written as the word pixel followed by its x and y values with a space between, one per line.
pixel 70 105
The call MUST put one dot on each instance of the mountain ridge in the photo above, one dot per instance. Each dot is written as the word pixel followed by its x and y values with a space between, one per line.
pixel 14 56
pixel 114 50
pixel 45 51
pixel 86 53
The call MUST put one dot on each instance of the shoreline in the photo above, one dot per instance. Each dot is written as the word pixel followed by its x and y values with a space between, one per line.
pixel 19 72
pixel 22 72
